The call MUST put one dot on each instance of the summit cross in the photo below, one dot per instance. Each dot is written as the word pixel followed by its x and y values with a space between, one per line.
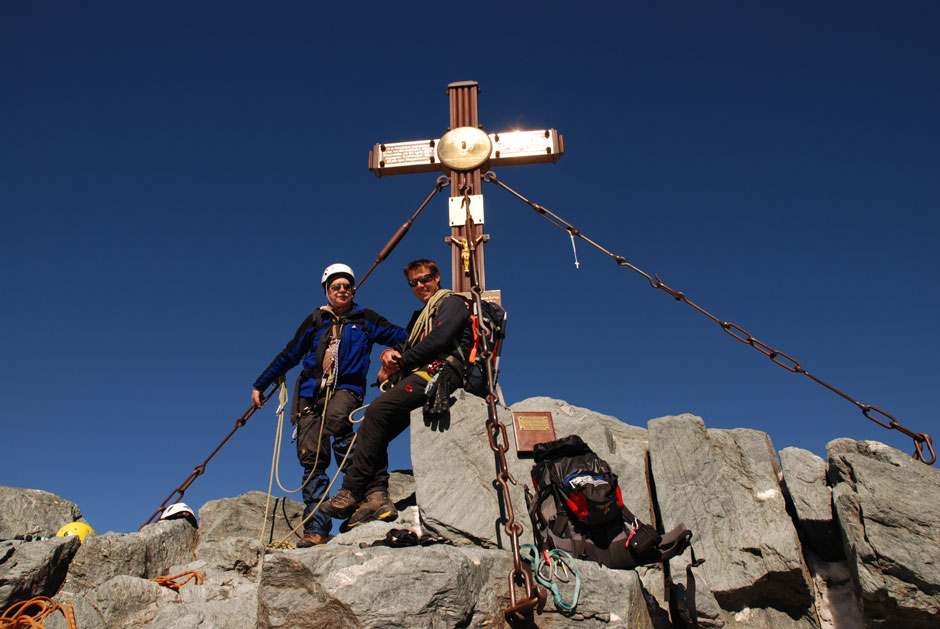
pixel 464 154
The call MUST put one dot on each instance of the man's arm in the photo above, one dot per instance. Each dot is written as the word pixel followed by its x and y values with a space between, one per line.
pixel 289 357
pixel 382 331
pixel 444 337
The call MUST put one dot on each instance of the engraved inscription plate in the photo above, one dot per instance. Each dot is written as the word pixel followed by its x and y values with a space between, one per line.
pixel 421 156
pixel 532 427
pixel 400 158
pixel 406 153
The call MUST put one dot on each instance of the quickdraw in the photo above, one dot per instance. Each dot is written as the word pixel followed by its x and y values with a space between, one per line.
pixel 551 566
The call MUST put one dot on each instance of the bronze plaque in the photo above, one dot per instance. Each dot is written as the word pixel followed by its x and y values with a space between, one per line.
pixel 532 427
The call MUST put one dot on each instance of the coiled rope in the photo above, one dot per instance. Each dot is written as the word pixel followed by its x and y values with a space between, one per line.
pixel 20 614
pixel 175 584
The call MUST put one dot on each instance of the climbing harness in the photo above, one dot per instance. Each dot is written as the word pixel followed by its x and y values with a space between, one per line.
pixel 328 379
pixel 21 615
pixel 175 584
pixel 783 360
pixel 519 609
pixel 551 566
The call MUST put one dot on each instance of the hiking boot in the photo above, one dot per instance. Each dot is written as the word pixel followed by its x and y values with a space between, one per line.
pixel 342 505
pixel 383 507
pixel 376 506
pixel 313 539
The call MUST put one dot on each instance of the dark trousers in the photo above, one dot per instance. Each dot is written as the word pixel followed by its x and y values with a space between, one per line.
pixel 313 449
pixel 387 416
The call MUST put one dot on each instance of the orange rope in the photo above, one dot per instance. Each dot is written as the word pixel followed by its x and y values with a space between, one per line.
pixel 16 617
pixel 173 584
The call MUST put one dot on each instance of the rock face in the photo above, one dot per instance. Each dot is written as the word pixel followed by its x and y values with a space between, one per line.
pixel 890 520
pixel 723 484
pixel 33 513
pixel 760 523
pixel 37 568
pixel 147 554
pixel 804 481
pixel 455 469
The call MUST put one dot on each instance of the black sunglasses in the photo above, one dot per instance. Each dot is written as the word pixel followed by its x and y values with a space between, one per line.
pixel 338 286
pixel 424 279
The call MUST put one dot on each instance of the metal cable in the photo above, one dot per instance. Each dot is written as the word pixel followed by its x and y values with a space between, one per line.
pixel 779 358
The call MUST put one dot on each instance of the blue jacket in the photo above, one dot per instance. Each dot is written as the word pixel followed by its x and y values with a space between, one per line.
pixel 361 328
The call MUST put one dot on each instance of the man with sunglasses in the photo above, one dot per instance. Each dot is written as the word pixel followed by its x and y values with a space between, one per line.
pixel 334 343
pixel 438 334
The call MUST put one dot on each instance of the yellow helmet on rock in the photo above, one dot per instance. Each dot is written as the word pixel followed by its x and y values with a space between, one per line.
pixel 75 528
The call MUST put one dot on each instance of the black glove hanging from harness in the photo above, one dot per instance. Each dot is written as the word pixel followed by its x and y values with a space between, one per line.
pixel 439 391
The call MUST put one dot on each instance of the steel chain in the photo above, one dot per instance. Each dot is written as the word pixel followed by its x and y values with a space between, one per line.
pixel 518 610
pixel 201 468
pixel 776 356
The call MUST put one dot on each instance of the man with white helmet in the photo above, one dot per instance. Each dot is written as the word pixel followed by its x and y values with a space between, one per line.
pixel 334 343
pixel 440 333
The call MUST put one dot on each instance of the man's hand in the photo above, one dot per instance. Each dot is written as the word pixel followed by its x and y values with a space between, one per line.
pixel 390 362
pixel 256 398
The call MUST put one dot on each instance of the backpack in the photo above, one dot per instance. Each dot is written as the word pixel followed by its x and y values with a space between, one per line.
pixel 578 507
pixel 493 319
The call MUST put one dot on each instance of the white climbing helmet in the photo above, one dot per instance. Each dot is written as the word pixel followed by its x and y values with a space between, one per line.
pixel 179 510
pixel 336 269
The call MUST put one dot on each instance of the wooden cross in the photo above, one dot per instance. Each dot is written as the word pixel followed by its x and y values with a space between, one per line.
pixel 465 153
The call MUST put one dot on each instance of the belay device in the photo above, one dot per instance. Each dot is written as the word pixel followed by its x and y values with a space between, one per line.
pixel 578 507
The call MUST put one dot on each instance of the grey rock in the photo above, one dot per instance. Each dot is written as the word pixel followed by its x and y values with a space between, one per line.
pixel 147 554
pixel 225 600
pixel 244 516
pixel 707 612
pixel 291 596
pixel 804 481
pixel 401 488
pixel 121 601
pixel 29 569
pixel 430 586
pixel 771 618
pixel 455 469
pixel 35 513
pixel 886 503
pixel 723 484
pixel 233 554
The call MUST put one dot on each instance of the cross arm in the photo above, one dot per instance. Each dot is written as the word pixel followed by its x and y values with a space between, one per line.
pixel 509 148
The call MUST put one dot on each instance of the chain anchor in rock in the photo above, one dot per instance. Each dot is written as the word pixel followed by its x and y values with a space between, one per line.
pixel 922 440
pixel 201 468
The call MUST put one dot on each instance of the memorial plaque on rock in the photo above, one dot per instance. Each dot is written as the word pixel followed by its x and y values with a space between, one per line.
pixel 532 427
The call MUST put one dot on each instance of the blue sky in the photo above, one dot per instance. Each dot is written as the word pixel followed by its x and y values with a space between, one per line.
pixel 176 176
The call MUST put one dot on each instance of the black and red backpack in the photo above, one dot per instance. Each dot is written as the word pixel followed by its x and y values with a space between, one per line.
pixel 578 507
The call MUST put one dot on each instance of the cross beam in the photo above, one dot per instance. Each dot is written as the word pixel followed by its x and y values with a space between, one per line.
pixel 464 154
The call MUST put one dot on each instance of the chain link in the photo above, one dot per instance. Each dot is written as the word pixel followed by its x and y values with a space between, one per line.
pixel 519 610
pixel 200 469
pixel 779 358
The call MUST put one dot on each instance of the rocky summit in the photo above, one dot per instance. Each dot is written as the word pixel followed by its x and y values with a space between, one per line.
pixel 788 539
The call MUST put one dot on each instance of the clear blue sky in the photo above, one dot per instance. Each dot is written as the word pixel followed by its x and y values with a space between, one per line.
pixel 174 178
